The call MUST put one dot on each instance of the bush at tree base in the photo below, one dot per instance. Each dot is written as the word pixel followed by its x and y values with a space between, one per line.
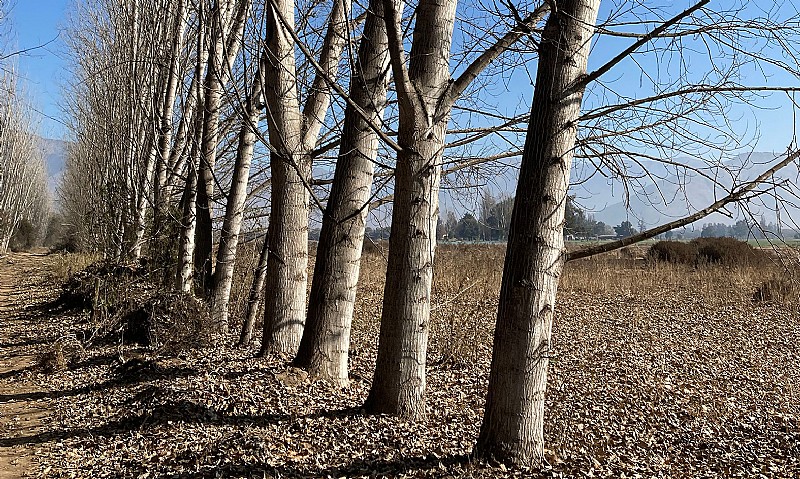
pixel 126 307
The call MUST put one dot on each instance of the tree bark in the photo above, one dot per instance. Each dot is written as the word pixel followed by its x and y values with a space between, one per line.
pixel 293 135
pixel 399 383
pixel 285 288
pixel 216 77
pixel 234 209
pixel 254 298
pixel 326 339
pixel 165 132
pixel 184 277
pixel 512 428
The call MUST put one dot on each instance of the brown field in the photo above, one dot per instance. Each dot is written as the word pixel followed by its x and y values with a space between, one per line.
pixel 656 371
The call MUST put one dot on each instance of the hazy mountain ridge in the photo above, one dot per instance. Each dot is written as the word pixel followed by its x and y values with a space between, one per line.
pixel 654 203
pixel 55 157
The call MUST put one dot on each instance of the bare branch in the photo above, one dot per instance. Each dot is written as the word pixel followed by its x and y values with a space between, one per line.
pixel 736 195
pixel 585 80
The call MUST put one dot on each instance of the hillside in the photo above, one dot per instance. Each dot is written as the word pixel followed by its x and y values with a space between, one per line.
pixel 668 197
pixel 55 156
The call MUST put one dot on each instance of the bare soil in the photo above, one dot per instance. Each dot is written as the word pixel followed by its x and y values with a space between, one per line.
pixel 24 407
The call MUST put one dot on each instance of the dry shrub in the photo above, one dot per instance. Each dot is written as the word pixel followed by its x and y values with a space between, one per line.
pixel 466 286
pixel 101 286
pixel 127 308
pixel 728 252
pixel 53 360
pixel 60 355
pixel 170 322
pixel 246 263
pixel 64 265
pixel 674 252
pixel 776 290
pixel 700 251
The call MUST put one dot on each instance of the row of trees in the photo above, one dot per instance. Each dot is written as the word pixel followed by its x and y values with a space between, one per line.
pixel 494 218
pixel 24 198
pixel 175 101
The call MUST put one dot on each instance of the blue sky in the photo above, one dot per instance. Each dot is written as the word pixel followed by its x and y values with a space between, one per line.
pixel 33 23
pixel 36 22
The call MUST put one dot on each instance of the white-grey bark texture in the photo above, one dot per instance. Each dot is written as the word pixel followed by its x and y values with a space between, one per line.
pixel 285 287
pixel 326 339
pixel 224 28
pixel 254 297
pixel 512 428
pixel 399 383
pixel 234 208
pixel 293 135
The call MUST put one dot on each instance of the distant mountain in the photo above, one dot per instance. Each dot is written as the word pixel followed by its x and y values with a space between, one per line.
pixel 55 157
pixel 650 203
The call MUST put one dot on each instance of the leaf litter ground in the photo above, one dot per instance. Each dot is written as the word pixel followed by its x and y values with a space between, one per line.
pixel 666 378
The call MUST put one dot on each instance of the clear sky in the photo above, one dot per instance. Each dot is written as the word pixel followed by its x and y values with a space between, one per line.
pixel 43 70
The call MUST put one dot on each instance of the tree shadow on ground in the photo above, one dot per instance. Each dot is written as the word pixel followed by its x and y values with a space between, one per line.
pixel 27 342
pixel 16 372
pixel 368 467
pixel 170 411
pixel 180 411
pixel 126 379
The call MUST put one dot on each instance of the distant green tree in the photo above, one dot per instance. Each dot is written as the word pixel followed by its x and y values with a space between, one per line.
pixel 741 229
pixel 601 228
pixel 577 222
pixel 716 230
pixel 450 224
pixel 625 229
pixel 468 228
pixel 25 236
pixel 495 216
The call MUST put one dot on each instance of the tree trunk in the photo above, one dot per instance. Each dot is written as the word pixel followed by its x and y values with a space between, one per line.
pixel 326 338
pixel 285 288
pixel 173 76
pixel 399 383
pixel 254 298
pixel 512 428
pixel 234 209
pixel 215 80
pixel 293 135
pixel 184 278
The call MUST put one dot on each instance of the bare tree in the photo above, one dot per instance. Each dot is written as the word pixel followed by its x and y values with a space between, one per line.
pixel 293 134
pixel 23 180
pixel 325 343
pixel 512 428
pixel 426 96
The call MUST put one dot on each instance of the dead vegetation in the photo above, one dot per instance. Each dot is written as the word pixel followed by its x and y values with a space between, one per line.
pixel 657 370
pixel 126 307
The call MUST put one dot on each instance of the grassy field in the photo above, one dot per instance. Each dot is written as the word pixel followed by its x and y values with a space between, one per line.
pixel 657 371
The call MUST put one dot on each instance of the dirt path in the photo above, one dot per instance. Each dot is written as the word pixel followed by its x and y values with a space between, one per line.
pixel 23 414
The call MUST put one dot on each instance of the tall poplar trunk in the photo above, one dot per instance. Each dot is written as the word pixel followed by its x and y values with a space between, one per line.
pixel 254 298
pixel 234 209
pixel 399 383
pixel 184 277
pixel 512 428
pixel 216 77
pixel 293 135
pixel 285 288
pixel 185 274
pixel 165 132
pixel 326 339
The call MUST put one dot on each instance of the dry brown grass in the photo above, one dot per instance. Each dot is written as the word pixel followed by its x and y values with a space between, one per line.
pixel 63 265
